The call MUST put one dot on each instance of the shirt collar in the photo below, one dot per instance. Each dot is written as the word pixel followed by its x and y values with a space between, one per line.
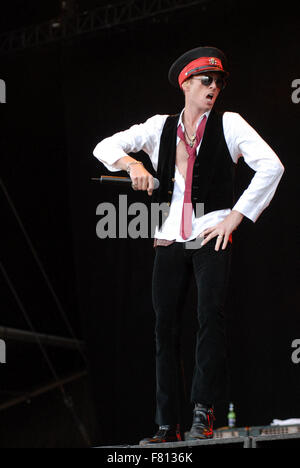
pixel 180 121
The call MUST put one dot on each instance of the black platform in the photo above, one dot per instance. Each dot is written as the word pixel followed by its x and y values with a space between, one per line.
pixel 233 442
pixel 279 441
pixel 255 437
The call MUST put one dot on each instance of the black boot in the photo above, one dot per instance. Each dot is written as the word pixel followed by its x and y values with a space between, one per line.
pixel 202 427
pixel 163 435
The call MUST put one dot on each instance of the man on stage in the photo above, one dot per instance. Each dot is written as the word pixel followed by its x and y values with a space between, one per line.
pixel 195 155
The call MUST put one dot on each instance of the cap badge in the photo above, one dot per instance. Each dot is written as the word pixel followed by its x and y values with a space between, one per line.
pixel 213 61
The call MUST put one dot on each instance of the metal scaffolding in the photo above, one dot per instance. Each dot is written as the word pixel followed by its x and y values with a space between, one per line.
pixel 104 18
pixel 42 340
pixel 48 340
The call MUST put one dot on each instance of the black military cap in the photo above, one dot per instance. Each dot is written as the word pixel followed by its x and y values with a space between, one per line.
pixel 195 61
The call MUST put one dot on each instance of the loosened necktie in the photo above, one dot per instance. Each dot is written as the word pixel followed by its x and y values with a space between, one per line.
pixel 187 210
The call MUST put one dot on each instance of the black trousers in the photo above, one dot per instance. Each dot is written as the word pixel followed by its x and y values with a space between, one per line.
pixel 173 267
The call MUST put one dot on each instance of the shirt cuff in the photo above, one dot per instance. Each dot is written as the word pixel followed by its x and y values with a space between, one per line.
pixel 247 209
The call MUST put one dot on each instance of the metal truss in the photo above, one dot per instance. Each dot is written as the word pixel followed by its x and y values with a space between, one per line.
pixel 103 18
pixel 41 390
pixel 48 340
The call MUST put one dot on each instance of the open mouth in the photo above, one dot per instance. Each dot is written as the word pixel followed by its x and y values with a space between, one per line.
pixel 210 96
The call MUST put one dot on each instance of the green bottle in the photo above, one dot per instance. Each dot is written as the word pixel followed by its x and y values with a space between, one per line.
pixel 231 416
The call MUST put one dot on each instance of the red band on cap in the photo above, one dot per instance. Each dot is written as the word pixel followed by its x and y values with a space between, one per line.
pixel 200 65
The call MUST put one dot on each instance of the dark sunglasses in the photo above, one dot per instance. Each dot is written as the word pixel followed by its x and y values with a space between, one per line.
pixel 207 81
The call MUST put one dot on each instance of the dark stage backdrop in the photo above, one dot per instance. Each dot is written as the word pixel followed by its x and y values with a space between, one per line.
pixel 84 91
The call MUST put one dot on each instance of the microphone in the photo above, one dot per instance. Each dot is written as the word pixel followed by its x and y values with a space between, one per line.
pixel 120 181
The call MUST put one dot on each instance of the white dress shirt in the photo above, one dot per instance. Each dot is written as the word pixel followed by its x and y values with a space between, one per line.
pixel 242 141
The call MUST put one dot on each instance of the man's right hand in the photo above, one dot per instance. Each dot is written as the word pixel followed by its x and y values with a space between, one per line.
pixel 141 179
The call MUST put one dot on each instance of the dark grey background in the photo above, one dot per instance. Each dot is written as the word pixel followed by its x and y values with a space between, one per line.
pixel 61 100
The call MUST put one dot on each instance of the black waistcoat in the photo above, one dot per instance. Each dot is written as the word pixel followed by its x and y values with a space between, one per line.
pixel 214 169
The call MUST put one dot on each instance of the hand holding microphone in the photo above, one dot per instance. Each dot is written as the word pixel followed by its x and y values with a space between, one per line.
pixel 141 178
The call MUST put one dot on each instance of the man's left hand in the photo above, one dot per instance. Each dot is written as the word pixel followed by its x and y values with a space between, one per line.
pixel 223 230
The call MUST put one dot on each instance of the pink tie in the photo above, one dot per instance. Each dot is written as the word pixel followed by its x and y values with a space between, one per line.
pixel 187 210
